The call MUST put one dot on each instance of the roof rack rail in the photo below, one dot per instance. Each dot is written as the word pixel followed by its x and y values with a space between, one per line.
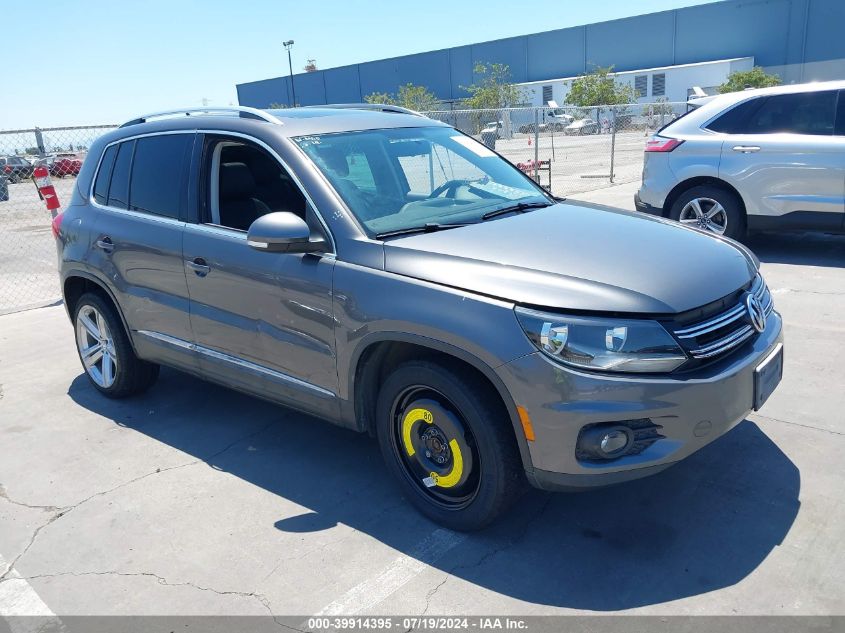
pixel 378 107
pixel 242 111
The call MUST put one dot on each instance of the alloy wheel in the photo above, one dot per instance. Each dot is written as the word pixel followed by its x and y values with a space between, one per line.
pixel 96 346
pixel 705 213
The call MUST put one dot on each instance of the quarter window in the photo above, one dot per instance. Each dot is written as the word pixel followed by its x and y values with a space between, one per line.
pixel 101 185
pixel 119 188
pixel 157 174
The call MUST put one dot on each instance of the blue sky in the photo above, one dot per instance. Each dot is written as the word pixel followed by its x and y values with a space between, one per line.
pixel 106 61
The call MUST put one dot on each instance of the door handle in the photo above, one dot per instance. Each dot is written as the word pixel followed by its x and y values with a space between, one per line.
pixel 746 149
pixel 199 266
pixel 105 244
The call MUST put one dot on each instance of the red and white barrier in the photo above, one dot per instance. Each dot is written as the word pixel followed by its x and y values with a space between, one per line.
pixel 46 190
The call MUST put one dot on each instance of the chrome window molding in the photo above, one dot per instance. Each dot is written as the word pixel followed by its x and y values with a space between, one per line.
pixel 234 360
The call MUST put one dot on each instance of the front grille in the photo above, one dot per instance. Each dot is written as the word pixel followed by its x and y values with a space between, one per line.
pixel 719 334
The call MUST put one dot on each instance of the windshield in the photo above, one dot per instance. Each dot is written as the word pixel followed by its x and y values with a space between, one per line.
pixel 401 178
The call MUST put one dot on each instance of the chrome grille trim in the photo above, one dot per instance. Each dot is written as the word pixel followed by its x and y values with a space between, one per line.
pixel 733 321
pixel 724 344
pixel 713 324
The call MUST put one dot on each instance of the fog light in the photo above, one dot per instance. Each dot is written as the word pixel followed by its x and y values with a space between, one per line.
pixel 604 441
pixel 613 441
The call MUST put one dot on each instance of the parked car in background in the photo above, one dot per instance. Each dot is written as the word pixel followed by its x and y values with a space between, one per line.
pixel 15 168
pixel 61 165
pixel 771 158
pixel 4 188
pixel 582 126
pixel 65 165
pixel 559 120
pixel 493 127
pixel 386 272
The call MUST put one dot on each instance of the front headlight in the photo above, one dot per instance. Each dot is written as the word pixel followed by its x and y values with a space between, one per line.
pixel 603 344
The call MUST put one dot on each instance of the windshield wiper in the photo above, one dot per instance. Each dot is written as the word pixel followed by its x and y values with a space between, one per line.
pixel 428 227
pixel 519 207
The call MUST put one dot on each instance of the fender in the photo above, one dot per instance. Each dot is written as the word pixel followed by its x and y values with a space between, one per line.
pixel 104 285
pixel 348 404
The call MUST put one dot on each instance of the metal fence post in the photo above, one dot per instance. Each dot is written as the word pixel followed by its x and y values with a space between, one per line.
pixel 537 145
pixel 612 140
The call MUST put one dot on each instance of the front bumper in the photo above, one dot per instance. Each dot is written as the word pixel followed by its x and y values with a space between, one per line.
pixel 692 410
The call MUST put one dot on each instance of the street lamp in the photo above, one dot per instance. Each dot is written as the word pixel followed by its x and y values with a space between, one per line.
pixel 288 46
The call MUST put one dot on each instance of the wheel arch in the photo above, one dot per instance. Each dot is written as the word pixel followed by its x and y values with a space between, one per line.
pixel 697 181
pixel 76 283
pixel 377 355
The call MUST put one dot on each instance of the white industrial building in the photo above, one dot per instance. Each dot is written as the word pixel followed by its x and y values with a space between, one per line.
pixel 672 83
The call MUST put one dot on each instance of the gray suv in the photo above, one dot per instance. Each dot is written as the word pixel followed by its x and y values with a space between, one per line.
pixel 385 272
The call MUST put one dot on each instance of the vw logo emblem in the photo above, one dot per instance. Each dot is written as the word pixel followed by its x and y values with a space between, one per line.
pixel 756 314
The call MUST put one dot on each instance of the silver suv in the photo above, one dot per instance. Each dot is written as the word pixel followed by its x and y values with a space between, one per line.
pixel 772 158
pixel 389 274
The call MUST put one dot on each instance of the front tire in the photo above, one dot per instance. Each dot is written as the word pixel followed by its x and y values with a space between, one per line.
pixel 711 209
pixel 105 352
pixel 447 440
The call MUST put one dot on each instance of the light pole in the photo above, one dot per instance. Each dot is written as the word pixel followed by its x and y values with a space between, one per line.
pixel 288 46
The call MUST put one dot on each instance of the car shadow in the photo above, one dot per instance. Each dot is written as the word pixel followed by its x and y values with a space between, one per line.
pixel 810 248
pixel 699 526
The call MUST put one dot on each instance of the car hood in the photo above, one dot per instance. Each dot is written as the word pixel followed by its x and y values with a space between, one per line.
pixel 578 257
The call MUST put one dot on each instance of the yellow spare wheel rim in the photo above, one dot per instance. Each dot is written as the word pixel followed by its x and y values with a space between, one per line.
pixel 436 446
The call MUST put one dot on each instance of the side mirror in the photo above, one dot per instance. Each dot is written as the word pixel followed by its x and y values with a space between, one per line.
pixel 283 232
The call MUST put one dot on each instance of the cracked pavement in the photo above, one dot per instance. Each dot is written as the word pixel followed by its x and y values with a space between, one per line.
pixel 197 500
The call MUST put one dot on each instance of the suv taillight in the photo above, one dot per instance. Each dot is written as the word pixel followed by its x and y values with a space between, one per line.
pixel 661 144
pixel 56 225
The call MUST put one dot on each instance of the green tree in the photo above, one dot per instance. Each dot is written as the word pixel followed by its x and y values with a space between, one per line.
pixel 493 88
pixel 599 88
pixel 381 97
pixel 413 97
pixel 417 98
pixel 754 78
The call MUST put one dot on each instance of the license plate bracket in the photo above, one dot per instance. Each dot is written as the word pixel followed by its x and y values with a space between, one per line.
pixel 767 376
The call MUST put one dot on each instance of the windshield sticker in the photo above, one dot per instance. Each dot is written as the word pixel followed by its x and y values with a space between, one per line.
pixel 474 146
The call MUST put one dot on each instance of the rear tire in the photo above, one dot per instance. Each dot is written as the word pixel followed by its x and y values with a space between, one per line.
pixel 105 352
pixel 728 216
pixel 456 460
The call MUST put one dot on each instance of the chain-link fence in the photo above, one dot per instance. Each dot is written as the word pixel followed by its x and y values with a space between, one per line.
pixel 569 150
pixel 28 274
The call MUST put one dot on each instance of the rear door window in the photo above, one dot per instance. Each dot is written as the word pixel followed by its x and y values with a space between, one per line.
pixel 119 187
pixel 157 183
